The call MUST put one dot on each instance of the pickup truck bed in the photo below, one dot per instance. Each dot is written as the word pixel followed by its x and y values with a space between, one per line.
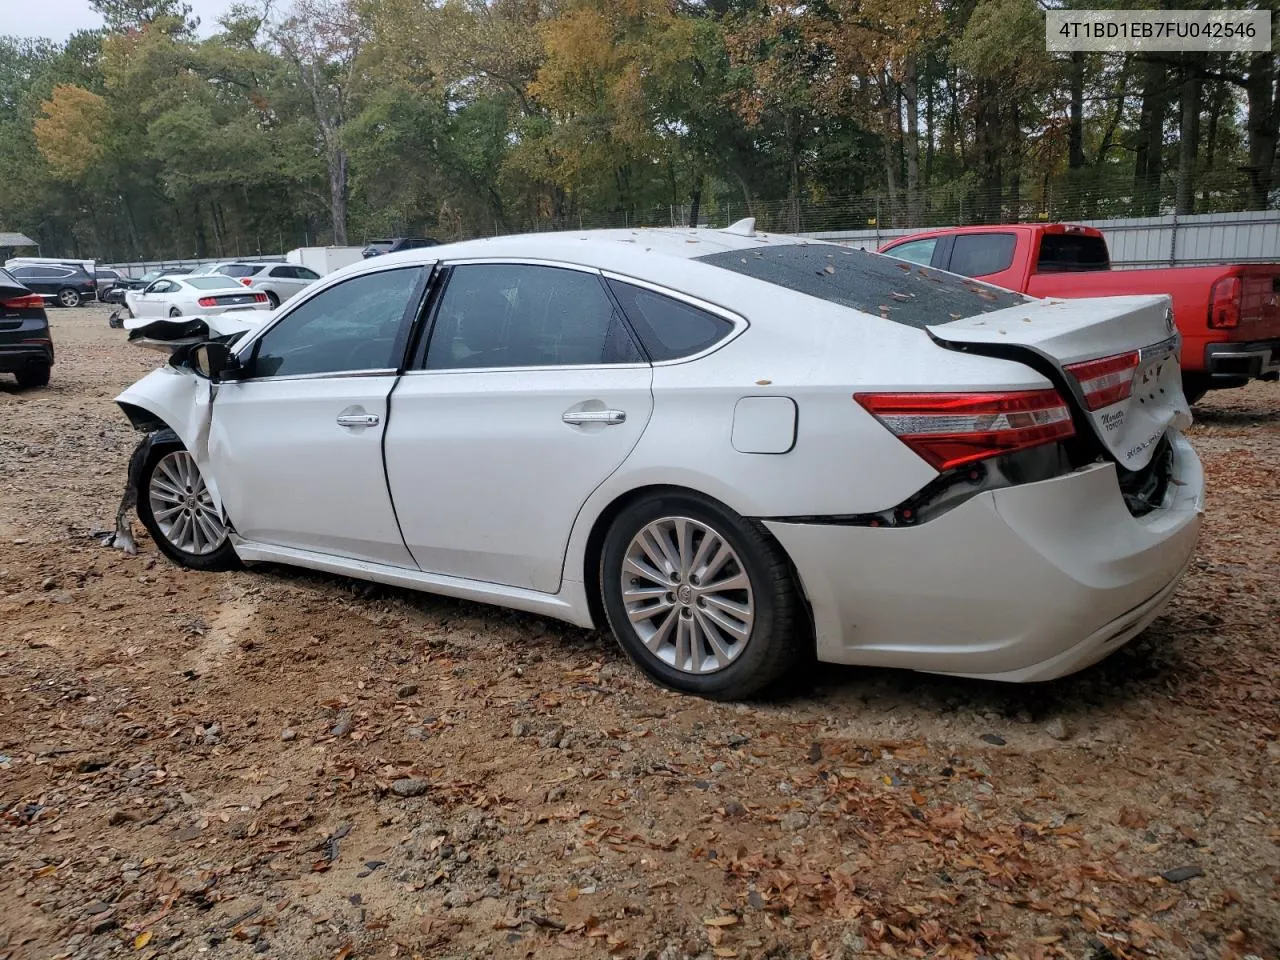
pixel 1228 315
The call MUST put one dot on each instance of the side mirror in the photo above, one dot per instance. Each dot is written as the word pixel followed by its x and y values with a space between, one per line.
pixel 214 361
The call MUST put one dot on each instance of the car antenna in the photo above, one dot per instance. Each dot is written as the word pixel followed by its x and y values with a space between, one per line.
pixel 745 227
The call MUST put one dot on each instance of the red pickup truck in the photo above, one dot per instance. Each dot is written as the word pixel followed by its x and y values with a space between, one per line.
pixel 1229 315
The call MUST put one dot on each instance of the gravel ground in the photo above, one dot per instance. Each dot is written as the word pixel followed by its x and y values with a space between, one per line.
pixel 282 764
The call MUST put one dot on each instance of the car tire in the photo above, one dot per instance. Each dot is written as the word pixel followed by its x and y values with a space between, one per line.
pixel 174 312
pixel 175 507
pixel 273 299
pixel 34 376
pixel 69 297
pixel 725 644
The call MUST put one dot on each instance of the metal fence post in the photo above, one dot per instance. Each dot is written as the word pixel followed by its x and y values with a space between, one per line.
pixel 1173 240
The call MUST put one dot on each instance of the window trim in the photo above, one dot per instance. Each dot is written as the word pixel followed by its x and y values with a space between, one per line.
pixel 416 364
pixel 740 323
pixel 248 350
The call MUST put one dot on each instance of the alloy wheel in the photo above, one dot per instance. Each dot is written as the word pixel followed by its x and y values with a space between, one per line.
pixel 69 298
pixel 182 506
pixel 687 595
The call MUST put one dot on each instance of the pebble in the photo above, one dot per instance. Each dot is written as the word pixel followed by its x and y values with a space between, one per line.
pixel 1179 874
pixel 719 767
pixel 455 898
pixel 519 729
pixel 734 809
pixel 994 738
pixel 1058 729
pixel 794 820
pixel 552 738
pixel 409 787
pixel 288 734
pixel 343 726
pixel 407 690
pixel 49 583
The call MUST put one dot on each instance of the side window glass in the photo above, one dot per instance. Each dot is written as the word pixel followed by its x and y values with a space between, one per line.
pixel 358 325
pixel 917 251
pixel 668 328
pixel 979 254
pixel 517 315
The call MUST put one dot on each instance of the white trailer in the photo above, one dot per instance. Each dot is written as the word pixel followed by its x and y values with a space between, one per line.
pixel 324 259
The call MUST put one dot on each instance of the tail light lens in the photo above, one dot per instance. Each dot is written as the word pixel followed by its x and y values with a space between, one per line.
pixel 951 429
pixel 247 281
pixel 29 302
pixel 260 298
pixel 1224 304
pixel 207 302
pixel 1107 380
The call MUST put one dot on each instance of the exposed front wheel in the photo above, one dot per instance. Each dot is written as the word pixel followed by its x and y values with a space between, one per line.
pixel 174 312
pixel 69 297
pixel 273 299
pixel 175 506
pixel 34 376
pixel 703 601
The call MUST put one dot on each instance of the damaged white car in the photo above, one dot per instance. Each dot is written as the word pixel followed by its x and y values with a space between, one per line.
pixel 728 448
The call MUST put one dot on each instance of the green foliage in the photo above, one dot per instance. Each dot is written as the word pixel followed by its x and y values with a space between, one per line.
pixel 298 123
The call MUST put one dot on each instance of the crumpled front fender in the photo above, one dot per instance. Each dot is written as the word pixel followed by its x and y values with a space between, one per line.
pixel 181 401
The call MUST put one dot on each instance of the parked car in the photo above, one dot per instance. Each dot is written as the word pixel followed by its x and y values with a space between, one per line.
pixel 1228 315
pixel 724 446
pixel 280 281
pixel 108 280
pixel 178 296
pixel 376 248
pixel 66 284
pixel 26 346
pixel 117 293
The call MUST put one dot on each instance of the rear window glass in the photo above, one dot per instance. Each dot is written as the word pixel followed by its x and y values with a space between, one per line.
pixel 1071 253
pixel 982 254
pixel 240 270
pixel 906 293
pixel 207 283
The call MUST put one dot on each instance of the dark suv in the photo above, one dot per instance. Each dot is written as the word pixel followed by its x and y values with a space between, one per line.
pixel 376 248
pixel 26 349
pixel 66 284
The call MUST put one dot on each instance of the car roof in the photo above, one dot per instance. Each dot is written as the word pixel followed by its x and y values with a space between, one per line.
pixel 606 249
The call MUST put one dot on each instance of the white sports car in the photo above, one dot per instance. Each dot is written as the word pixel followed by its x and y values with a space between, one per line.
pixel 725 447
pixel 185 296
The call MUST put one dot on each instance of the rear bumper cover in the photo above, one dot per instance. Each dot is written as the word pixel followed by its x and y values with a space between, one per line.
pixel 1248 360
pixel 14 357
pixel 1023 584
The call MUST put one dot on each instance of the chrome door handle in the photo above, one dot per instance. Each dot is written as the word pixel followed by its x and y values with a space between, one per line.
pixel 595 416
pixel 358 420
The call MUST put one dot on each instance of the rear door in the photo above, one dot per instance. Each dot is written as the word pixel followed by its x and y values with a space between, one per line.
pixel 987 256
pixel 530 394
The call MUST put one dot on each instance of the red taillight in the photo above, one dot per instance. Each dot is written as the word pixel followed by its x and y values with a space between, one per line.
pixel 260 298
pixel 1224 304
pixel 951 429
pixel 207 301
pixel 29 302
pixel 247 281
pixel 1107 380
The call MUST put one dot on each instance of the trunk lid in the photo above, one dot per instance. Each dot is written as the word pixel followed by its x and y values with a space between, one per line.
pixel 1053 335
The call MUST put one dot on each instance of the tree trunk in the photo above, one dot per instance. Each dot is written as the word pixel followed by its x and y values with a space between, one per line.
pixel 695 201
pixel 929 133
pixel 1216 100
pixel 1188 140
pixel 1149 148
pixel 202 241
pixel 1075 148
pixel 338 194
pixel 1260 86
pixel 911 142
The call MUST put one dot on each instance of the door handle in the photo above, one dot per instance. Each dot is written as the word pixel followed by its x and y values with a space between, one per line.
pixel 358 420
pixel 579 417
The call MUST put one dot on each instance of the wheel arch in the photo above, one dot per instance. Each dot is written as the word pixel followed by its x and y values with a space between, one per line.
pixel 593 548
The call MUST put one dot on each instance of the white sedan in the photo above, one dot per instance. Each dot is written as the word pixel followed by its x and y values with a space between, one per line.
pixel 727 448
pixel 184 296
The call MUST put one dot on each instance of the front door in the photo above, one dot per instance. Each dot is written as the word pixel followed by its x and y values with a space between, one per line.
pixel 531 393
pixel 296 446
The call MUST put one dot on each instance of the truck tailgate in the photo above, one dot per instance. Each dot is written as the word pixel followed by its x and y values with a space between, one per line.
pixel 1259 303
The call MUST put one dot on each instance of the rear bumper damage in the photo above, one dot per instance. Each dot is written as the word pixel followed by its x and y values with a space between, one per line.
pixel 1025 583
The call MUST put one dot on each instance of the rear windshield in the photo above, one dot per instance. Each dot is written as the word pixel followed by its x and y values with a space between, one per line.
pixel 240 270
pixel 1072 253
pixel 208 283
pixel 906 293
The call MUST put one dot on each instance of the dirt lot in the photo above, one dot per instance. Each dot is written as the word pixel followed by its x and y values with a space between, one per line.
pixel 287 765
